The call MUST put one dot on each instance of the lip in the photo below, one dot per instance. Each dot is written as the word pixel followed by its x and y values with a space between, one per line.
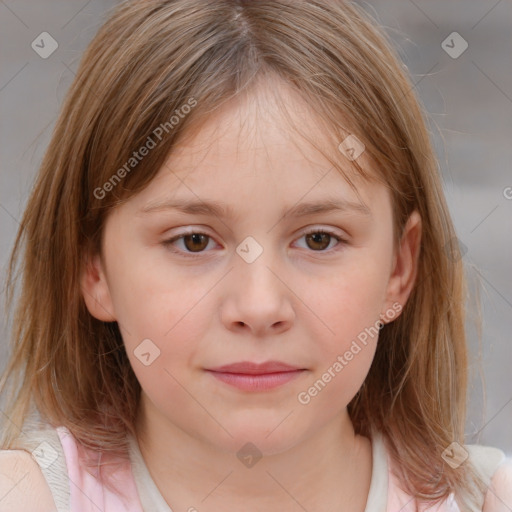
pixel 249 376
pixel 251 368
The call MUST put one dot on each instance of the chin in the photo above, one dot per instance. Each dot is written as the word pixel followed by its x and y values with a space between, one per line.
pixel 265 438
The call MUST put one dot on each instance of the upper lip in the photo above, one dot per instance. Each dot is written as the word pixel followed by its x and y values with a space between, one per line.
pixel 249 367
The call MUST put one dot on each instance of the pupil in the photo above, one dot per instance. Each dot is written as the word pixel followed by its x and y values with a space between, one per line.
pixel 196 241
pixel 318 238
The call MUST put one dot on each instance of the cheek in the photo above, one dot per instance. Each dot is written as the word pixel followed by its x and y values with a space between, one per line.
pixel 349 306
pixel 150 292
pixel 352 301
pixel 345 345
pixel 165 327
pixel 161 319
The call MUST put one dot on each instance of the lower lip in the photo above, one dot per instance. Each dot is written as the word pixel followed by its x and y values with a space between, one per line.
pixel 262 382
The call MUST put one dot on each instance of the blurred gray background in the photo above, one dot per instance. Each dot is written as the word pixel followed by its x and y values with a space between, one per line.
pixel 467 92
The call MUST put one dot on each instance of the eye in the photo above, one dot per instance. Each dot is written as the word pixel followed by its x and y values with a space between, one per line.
pixel 319 239
pixel 194 242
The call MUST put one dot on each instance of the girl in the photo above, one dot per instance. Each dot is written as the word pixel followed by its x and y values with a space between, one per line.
pixel 240 283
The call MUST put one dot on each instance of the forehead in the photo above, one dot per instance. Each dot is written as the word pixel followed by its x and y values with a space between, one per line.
pixel 270 130
pixel 256 150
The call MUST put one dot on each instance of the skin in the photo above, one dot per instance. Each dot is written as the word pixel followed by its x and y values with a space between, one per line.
pixel 299 302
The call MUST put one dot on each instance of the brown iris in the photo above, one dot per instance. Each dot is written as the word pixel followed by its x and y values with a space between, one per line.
pixel 195 242
pixel 321 240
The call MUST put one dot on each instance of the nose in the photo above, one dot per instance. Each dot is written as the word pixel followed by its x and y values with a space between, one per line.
pixel 257 298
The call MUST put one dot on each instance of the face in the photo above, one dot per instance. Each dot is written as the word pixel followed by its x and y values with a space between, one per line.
pixel 195 290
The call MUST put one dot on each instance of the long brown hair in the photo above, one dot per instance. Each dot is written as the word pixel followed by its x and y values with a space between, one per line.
pixel 149 60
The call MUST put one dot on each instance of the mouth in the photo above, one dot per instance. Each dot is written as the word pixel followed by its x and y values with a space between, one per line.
pixel 250 376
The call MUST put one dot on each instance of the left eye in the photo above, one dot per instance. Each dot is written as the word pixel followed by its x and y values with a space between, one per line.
pixel 195 242
pixel 320 239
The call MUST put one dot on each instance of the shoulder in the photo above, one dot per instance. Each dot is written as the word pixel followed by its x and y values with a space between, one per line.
pixel 23 487
pixel 496 470
pixel 499 494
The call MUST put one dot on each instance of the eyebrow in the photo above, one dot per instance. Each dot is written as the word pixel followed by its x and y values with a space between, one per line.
pixel 222 210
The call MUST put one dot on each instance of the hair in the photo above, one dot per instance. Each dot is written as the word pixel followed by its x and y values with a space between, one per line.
pixel 146 63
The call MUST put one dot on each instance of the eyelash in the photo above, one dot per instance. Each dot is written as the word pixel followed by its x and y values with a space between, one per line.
pixel 168 243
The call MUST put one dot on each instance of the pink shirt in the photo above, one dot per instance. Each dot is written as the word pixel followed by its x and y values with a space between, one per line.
pixel 75 490
pixel 86 492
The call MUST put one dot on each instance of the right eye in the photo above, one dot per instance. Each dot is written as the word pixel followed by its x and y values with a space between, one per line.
pixel 193 242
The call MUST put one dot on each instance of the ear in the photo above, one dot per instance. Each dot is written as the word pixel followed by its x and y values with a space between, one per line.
pixel 95 289
pixel 405 266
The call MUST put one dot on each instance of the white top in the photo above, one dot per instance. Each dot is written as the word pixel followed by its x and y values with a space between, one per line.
pixel 152 500
pixel 384 494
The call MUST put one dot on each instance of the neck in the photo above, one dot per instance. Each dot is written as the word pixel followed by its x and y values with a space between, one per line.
pixel 329 470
